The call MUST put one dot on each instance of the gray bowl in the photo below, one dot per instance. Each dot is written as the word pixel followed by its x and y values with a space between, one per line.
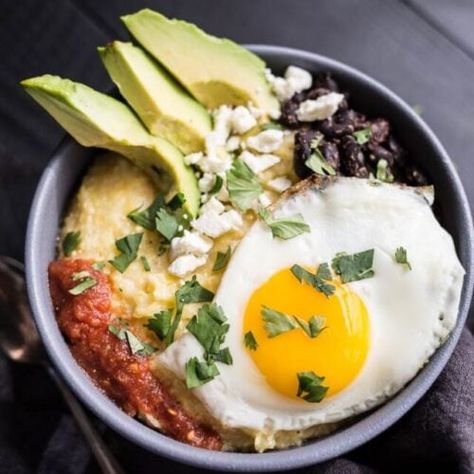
pixel 61 178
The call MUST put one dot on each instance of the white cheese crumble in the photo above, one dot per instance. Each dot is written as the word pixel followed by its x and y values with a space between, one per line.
pixel 266 141
pixel 233 143
pixel 296 80
pixel 212 205
pixel 264 199
pixel 189 243
pixel 242 120
pixel 259 163
pixel 193 158
pixel 186 264
pixel 214 224
pixel 279 184
pixel 321 108
pixel 206 182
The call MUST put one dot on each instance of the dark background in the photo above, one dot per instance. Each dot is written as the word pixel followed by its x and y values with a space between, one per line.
pixel 423 50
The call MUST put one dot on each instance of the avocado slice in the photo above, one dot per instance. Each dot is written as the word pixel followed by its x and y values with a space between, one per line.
pixel 98 120
pixel 162 104
pixel 215 71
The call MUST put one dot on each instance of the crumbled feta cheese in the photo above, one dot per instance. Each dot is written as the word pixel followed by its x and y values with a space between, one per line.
pixel 296 80
pixel 223 194
pixel 258 163
pixel 267 141
pixel 233 143
pixel 186 264
pixel 279 184
pixel 212 205
pixel 255 111
pixel 299 78
pixel 222 124
pixel 193 158
pixel 264 199
pixel 206 182
pixel 321 108
pixel 242 120
pixel 216 162
pixel 214 225
pixel 190 242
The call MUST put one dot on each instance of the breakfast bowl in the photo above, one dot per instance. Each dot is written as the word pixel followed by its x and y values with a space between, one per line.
pixel 61 178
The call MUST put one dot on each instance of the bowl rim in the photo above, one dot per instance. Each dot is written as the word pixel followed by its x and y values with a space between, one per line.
pixel 328 447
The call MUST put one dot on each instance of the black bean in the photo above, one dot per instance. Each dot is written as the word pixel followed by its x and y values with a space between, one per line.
pixel 353 160
pixel 302 152
pixel 380 130
pixel 331 154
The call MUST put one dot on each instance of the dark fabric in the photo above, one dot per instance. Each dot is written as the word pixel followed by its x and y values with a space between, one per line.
pixel 37 434
pixel 424 53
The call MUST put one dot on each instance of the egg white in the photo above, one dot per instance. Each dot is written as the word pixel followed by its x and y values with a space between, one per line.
pixel 410 312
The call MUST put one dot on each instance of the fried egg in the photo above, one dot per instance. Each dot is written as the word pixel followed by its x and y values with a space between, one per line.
pixel 380 331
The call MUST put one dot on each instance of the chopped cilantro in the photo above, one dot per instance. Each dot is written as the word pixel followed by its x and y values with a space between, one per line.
pixel 217 185
pixel 166 224
pixel 176 202
pixel 317 163
pixel 310 387
pixel 160 323
pixel 86 282
pixel 128 247
pixel 243 185
pixel 198 373
pixel 317 281
pixel 135 345
pixel 354 267
pixel 146 265
pixel 146 218
pixel 276 323
pixel 209 327
pixel 222 259
pixel 99 266
pixel 71 242
pixel 401 257
pixel 362 136
pixel 285 227
pixel 383 172
pixel 271 126
pixel 190 292
pixel 250 341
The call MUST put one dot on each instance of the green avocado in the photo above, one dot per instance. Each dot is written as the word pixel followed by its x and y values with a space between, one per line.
pixel 95 119
pixel 215 71
pixel 162 104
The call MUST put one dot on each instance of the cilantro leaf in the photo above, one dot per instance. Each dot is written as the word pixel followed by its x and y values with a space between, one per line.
pixel 401 257
pixel 135 345
pixel 317 281
pixel 317 163
pixel 250 341
pixel 71 242
pixel 86 283
pixel 190 292
pixel 222 259
pixel 99 266
pixel 146 218
pixel 310 387
pixel 209 327
pixel 176 202
pixel 276 323
pixel 362 136
pixel 198 373
pixel 243 185
pixel 160 323
pixel 128 247
pixel 166 224
pixel 354 267
pixel 286 227
pixel 146 265
pixel 383 172
pixel 217 185
pixel 271 126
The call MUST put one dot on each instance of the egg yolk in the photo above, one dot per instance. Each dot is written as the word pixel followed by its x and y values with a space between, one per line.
pixel 337 353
